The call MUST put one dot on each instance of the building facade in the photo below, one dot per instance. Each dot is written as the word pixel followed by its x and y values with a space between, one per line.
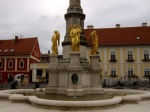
pixel 40 70
pixel 16 55
pixel 124 52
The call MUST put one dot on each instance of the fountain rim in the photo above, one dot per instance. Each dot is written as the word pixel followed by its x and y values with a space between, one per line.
pixel 16 95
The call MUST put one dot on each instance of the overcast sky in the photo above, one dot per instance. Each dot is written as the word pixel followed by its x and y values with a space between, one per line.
pixel 39 18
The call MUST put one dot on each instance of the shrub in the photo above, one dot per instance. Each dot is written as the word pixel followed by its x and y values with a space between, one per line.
pixel 14 85
pixel 135 84
pixel 120 84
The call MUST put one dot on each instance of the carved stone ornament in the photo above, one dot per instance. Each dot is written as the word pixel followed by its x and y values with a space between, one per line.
pixel 74 78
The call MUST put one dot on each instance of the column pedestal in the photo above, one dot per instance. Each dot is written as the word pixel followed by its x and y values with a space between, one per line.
pixel 74 60
pixel 95 75
pixel 53 74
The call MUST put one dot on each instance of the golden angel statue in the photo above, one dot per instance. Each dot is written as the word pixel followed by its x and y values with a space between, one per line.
pixel 94 42
pixel 55 39
pixel 75 37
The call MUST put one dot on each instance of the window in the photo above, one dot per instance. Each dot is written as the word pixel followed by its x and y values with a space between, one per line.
pixel 10 64
pixel 11 50
pixel 5 50
pixel 21 63
pixel 147 71
pixel 146 55
pixel 113 55
pixel 130 55
pixel 113 71
pixel 130 71
pixel 0 76
pixel 1 64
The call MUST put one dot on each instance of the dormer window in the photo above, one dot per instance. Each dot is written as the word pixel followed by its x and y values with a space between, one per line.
pixel 11 50
pixel 5 50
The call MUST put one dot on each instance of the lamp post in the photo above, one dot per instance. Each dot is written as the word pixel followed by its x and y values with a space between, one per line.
pixel 106 78
pixel 149 81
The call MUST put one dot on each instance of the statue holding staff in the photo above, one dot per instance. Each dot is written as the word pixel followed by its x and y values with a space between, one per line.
pixel 55 42
pixel 75 37
pixel 94 42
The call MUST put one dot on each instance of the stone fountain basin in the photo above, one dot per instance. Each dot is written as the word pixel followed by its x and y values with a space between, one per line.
pixel 17 96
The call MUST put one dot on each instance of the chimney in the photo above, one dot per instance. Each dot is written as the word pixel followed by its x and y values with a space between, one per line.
pixel 48 53
pixel 16 39
pixel 90 27
pixel 144 24
pixel 117 25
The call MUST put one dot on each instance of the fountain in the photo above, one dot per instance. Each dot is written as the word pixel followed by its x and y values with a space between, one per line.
pixel 73 75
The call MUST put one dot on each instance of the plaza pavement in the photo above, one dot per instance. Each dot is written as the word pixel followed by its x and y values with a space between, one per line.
pixel 141 106
pixel 8 106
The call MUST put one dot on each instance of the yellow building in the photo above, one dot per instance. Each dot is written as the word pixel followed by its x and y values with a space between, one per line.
pixel 124 51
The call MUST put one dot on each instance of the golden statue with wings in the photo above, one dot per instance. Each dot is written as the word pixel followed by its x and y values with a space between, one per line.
pixel 75 37
pixel 55 39
pixel 94 42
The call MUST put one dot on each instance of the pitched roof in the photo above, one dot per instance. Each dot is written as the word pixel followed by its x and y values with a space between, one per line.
pixel 123 36
pixel 17 46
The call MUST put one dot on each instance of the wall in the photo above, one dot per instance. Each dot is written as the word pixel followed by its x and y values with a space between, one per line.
pixel 122 64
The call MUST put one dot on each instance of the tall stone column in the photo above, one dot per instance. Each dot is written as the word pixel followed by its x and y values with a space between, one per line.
pixel 73 16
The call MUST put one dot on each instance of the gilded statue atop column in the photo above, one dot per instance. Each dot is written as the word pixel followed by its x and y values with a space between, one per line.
pixel 75 32
pixel 94 42
pixel 55 42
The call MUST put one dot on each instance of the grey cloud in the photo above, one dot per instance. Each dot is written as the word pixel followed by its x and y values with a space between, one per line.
pixel 40 18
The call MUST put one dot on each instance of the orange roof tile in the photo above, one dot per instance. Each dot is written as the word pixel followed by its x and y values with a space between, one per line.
pixel 121 36
pixel 21 47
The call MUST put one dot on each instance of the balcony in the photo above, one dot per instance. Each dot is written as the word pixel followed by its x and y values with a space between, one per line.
pixel 112 75
pixel 132 76
pixel 113 60
pixel 145 60
pixel 130 60
pixel 146 75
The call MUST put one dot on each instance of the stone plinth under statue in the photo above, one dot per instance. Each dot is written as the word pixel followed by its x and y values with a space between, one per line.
pixel 76 78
